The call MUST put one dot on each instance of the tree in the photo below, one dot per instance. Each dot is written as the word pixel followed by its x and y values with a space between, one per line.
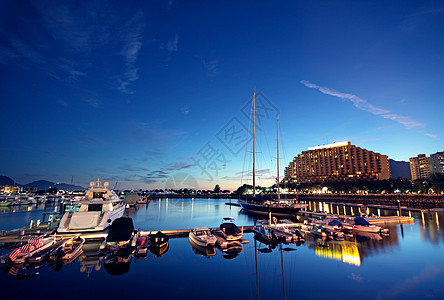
pixel 217 189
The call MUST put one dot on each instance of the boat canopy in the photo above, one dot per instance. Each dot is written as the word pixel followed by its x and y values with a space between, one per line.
pixel 361 221
pixel 335 223
pixel 230 228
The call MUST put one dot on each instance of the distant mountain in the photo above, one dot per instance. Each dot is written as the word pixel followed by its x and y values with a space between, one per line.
pixel 69 187
pixel 5 180
pixel 41 185
pixel 400 169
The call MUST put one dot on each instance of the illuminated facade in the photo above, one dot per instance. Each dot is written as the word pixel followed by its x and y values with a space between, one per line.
pixel 437 161
pixel 337 162
pixel 420 167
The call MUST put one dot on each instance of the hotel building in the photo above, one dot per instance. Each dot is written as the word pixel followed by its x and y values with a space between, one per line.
pixel 437 161
pixel 422 167
pixel 337 162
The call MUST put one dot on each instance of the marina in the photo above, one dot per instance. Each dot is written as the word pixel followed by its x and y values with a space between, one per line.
pixel 354 256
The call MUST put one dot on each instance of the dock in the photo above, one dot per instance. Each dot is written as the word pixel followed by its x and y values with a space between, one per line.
pixel 176 233
pixel 371 220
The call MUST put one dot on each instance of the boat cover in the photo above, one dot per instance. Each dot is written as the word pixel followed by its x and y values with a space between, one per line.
pixel 334 223
pixel 230 229
pixel 121 230
pixel 361 221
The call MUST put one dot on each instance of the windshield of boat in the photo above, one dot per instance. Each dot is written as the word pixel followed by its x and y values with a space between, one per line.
pixel 201 232
pixel 72 207
pixel 95 207
pixel 99 195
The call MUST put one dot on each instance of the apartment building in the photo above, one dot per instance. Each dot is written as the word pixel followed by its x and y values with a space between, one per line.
pixel 337 162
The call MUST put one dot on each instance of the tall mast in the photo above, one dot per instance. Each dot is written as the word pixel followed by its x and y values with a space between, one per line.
pixel 279 196
pixel 254 146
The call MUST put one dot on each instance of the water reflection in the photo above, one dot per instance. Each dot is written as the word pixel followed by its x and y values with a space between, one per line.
pixel 202 251
pixel 271 271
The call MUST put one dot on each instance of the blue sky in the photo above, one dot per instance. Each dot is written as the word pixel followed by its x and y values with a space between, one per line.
pixel 155 94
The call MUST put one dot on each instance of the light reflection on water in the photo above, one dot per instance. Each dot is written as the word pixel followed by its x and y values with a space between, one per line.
pixel 409 263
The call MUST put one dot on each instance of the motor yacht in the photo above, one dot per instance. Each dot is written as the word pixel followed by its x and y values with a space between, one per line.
pixel 94 212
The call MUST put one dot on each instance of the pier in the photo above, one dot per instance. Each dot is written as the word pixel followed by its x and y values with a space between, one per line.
pixel 372 220
pixel 411 201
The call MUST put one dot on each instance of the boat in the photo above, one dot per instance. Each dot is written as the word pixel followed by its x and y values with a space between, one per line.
pixel 264 233
pixel 281 208
pixel 229 230
pixel 361 225
pixel 318 231
pixel 41 255
pixel 32 247
pixel 257 205
pixel 141 247
pixel 159 243
pixel 158 239
pixel 202 236
pixel 143 200
pixel 96 211
pixel 69 250
pixel 121 234
pixel 332 227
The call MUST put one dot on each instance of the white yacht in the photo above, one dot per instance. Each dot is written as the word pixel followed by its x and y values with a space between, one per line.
pixel 94 212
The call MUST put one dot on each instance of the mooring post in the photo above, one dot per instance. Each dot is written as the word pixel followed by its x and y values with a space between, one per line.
pixel 399 207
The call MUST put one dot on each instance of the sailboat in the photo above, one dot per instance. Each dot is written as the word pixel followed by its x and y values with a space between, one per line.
pixel 279 207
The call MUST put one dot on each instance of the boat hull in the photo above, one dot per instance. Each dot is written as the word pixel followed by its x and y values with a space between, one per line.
pixel 262 209
pixel 103 224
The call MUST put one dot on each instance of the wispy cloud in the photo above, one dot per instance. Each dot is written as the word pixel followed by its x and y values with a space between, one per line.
pixel 94 102
pixel 185 109
pixel 406 121
pixel 171 46
pixel 132 43
pixel 364 105
pixel 210 65
pixel 166 171
pixel 432 136
pixel 21 49
pixel 63 103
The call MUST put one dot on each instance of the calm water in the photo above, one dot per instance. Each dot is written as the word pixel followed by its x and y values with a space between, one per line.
pixel 407 264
